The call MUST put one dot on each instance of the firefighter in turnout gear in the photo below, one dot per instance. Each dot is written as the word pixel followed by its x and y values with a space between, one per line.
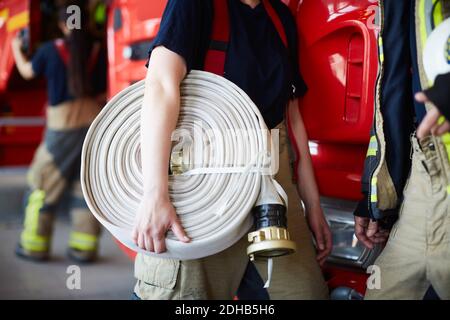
pixel 406 182
pixel 75 71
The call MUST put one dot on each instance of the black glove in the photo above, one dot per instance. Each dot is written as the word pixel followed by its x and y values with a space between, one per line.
pixel 439 94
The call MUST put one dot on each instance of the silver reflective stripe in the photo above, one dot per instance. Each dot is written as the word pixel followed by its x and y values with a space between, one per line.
pixel 22 121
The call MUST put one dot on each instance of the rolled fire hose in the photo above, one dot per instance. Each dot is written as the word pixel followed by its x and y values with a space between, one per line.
pixel 222 169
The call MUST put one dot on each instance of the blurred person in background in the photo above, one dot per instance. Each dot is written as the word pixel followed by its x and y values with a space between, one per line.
pixel 75 69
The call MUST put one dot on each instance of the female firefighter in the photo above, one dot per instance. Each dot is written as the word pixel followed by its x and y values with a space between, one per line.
pixel 261 58
pixel 76 77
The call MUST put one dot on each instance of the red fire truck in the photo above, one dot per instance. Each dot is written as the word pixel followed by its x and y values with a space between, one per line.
pixel 338 59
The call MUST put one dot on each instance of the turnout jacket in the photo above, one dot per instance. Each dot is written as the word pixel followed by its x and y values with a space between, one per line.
pixel 404 28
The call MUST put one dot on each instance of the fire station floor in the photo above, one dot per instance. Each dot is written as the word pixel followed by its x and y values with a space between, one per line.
pixel 109 278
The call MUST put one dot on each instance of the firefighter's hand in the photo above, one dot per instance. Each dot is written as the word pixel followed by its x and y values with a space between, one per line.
pixel 16 43
pixel 369 232
pixel 321 232
pixel 430 124
pixel 156 215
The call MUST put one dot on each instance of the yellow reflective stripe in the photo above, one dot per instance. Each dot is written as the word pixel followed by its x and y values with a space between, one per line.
pixel 448 50
pixel 373 147
pixel 4 13
pixel 18 21
pixel 446 138
pixel 83 241
pixel 380 49
pixel 83 236
pixel 34 242
pixel 373 190
pixel 29 238
pixel 438 16
pixel 82 246
pixel 446 141
pixel 35 203
pixel 100 13
pixel 422 23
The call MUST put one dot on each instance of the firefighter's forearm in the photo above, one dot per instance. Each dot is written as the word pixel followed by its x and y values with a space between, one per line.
pixel 161 106
pixel 158 120
pixel 23 65
pixel 307 186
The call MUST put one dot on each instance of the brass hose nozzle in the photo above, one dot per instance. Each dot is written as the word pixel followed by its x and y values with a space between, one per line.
pixel 271 238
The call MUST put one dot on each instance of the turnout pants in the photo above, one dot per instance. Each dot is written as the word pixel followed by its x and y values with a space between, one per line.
pixel 56 169
pixel 417 253
pixel 297 276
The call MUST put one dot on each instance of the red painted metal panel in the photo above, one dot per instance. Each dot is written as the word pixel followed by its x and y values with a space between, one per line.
pixel 20 100
pixel 341 277
pixel 129 22
pixel 338 59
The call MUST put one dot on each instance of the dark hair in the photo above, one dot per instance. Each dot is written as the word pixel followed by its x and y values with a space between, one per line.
pixel 79 45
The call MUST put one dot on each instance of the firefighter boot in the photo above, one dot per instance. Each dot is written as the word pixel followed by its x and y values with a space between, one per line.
pixel 84 238
pixel 35 238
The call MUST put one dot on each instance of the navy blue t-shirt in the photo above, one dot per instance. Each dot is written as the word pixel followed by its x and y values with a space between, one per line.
pixel 47 62
pixel 257 60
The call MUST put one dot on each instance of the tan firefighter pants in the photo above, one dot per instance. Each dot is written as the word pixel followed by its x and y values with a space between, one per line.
pixel 56 169
pixel 417 254
pixel 296 276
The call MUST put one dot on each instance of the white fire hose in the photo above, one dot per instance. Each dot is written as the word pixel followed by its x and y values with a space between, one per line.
pixel 215 188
